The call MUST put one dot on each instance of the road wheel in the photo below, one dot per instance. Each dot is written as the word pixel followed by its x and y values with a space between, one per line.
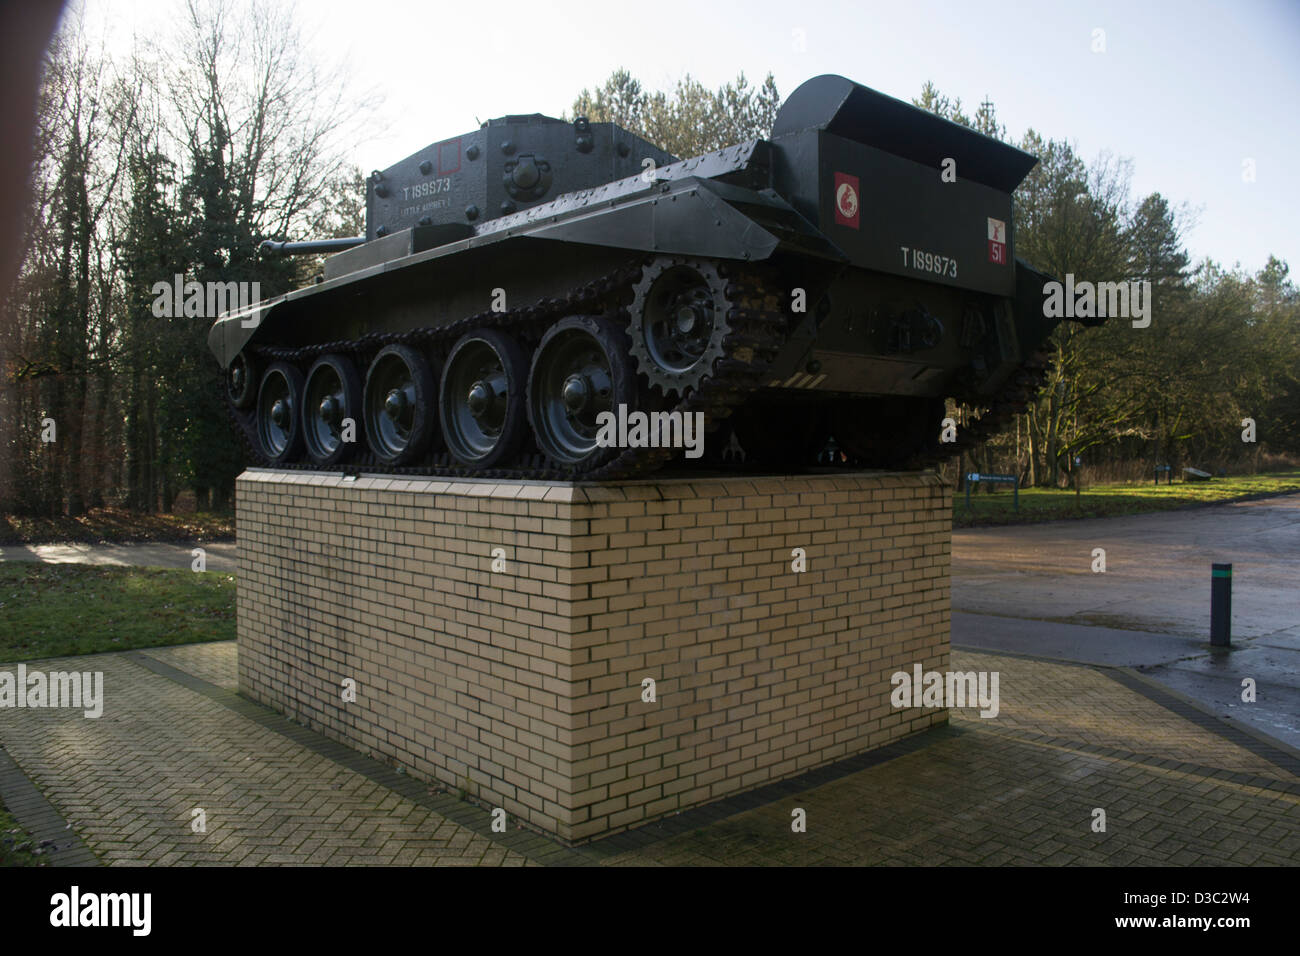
pixel 242 380
pixel 483 394
pixel 581 368
pixel 399 396
pixel 279 414
pixel 331 397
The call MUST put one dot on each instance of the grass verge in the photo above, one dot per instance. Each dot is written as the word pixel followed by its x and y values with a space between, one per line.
pixel 16 845
pixel 57 610
pixel 118 526
pixel 1100 501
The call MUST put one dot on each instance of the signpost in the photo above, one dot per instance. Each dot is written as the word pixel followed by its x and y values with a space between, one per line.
pixel 975 477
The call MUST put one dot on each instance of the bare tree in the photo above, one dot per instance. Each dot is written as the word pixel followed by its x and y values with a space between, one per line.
pixel 248 78
pixel 60 328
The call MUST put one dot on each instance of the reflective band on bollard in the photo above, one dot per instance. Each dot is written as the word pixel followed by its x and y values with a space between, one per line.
pixel 1221 605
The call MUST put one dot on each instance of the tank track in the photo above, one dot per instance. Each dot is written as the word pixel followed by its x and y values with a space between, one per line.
pixel 1010 401
pixel 758 328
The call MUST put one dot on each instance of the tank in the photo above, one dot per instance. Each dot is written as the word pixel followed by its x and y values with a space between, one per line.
pixel 555 300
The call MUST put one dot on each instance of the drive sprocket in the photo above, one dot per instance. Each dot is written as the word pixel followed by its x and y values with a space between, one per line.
pixel 678 322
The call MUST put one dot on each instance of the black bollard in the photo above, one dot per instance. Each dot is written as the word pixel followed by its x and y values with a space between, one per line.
pixel 1221 605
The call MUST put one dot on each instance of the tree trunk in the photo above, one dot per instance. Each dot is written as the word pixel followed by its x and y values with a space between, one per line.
pixel 76 448
pixel 1031 448
pixel 149 475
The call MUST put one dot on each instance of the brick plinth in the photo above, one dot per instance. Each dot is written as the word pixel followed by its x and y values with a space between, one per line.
pixel 525 685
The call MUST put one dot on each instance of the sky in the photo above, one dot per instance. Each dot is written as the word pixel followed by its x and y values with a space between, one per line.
pixel 1197 95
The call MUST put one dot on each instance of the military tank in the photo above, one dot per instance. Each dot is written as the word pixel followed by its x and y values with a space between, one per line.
pixel 811 297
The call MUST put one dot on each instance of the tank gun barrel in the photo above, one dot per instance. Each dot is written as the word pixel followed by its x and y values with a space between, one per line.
pixel 314 247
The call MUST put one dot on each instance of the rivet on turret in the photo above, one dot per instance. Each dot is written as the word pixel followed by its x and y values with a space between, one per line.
pixel 471 212
pixel 381 232
pixel 426 221
pixel 508 148
pixel 623 149
pixel 508 207
pixel 471 153
pixel 426 167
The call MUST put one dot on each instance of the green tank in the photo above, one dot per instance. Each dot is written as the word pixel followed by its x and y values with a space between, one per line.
pixel 545 299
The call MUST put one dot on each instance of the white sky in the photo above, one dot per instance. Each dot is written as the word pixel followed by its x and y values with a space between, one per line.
pixel 1187 90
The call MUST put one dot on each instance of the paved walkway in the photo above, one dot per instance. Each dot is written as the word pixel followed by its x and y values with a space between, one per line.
pixel 1178 786
pixel 220 554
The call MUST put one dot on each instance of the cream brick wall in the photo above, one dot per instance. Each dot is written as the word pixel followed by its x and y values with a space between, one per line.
pixel 528 683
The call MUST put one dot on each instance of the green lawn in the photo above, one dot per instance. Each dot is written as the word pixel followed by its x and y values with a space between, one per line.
pixel 1048 504
pixel 55 610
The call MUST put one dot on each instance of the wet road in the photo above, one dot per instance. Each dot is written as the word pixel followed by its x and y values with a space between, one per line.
pixel 1032 590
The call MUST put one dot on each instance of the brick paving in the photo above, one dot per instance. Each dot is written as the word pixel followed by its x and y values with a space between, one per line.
pixel 129 781
pixel 215 663
pixel 1178 787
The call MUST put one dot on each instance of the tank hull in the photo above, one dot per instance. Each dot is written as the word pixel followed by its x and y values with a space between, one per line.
pixel 835 282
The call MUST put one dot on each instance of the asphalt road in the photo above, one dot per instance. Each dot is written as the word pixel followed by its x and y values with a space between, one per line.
pixel 1032 590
